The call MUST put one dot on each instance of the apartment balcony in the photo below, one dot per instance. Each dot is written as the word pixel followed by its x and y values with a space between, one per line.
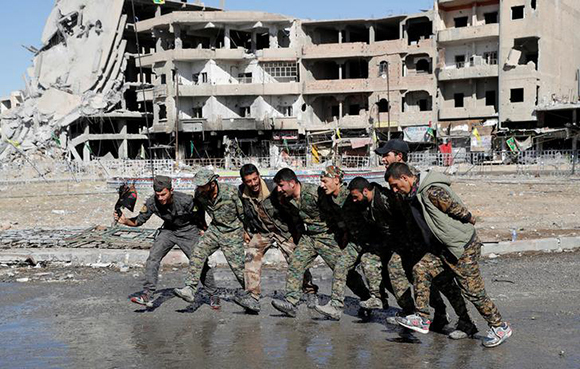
pixel 469 33
pixel 417 82
pixel 419 118
pixel 150 94
pixel 338 86
pixel 241 89
pixel 354 122
pixel 469 72
pixel 192 125
pixel 334 51
pixel 278 54
pixel 286 123
pixel 186 55
pixel 467 113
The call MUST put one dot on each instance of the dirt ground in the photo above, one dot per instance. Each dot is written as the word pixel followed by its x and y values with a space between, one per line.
pixel 540 208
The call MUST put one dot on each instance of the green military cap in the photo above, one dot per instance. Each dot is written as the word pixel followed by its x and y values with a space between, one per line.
pixel 204 176
pixel 161 182
pixel 332 171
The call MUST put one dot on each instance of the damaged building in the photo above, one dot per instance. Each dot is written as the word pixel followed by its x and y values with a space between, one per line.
pixel 129 79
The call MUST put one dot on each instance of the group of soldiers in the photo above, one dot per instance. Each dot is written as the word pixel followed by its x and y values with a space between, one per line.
pixel 413 237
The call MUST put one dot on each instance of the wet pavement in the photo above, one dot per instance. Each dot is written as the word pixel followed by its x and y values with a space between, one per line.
pixel 86 321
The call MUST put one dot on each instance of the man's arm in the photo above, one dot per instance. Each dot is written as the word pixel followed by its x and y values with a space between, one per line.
pixel 144 215
pixel 444 202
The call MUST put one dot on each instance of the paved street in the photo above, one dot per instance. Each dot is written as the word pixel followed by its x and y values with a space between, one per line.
pixel 83 319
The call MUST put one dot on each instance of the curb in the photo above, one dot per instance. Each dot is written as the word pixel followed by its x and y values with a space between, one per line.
pixel 105 257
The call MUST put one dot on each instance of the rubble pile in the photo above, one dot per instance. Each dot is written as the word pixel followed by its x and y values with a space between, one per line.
pixel 37 237
pixel 78 72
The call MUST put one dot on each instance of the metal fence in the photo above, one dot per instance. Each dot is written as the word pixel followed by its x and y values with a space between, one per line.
pixel 528 163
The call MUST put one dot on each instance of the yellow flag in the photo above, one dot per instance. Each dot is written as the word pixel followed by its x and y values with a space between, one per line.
pixel 338 133
pixel 475 132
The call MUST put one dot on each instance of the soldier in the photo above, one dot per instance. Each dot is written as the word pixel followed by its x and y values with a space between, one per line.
pixel 356 239
pixel 304 200
pixel 393 151
pixel 448 228
pixel 225 232
pixel 181 220
pixel 266 226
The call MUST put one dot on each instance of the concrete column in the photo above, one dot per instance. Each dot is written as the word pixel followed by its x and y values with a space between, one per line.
pixel 158 41
pixel 178 40
pixel 227 39
pixel 273 37
pixel 474 14
pixel 340 72
pixel 340 36
pixel 158 11
pixel 124 147
pixel 372 36
pixel 254 40
pixel 86 151
pixel 340 109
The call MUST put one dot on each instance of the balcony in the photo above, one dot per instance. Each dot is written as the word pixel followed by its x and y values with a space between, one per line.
pixel 192 55
pixel 339 86
pixel 467 113
pixel 286 123
pixel 470 72
pixel 279 54
pixel 240 89
pixel 333 51
pixel 469 33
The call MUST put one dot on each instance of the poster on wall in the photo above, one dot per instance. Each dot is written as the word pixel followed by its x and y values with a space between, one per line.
pixel 416 134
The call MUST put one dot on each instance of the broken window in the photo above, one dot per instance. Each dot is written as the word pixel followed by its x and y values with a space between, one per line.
pixel 518 12
pixel 458 100
pixel 490 18
pixel 533 4
pixel 195 78
pixel 245 112
pixel 459 61
pixel 490 98
pixel 245 77
pixel 419 29
pixel 517 95
pixel 162 112
pixel 383 67
pixel 490 57
pixel 423 66
pixel 383 106
pixel 197 112
pixel 460 22
pixel 528 46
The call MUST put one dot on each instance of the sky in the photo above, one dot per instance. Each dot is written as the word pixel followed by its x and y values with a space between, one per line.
pixel 22 22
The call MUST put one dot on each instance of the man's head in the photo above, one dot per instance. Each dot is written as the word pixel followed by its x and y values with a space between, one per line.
pixel 393 151
pixel 361 190
pixel 251 178
pixel 286 182
pixel 331 179
pixel 206 181
pixel 163 189
pixel 400 178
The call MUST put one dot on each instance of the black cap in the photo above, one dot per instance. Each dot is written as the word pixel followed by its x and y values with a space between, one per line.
pixel 161 182
pixel 395 144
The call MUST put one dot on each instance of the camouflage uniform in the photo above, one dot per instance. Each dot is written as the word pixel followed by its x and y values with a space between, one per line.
pixel 268 227
pixel 225 231
pixel 181 220
pixel 317 240
pixel 465 269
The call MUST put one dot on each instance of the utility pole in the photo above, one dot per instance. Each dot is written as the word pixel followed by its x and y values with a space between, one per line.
pixel 176 116
pixel 386 76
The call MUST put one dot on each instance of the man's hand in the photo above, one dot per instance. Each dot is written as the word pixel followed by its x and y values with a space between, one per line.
pixel 472 220
pixel 121 220
pixel 201 232
pixel 247 237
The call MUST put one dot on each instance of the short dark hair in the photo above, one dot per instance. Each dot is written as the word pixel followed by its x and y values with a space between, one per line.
pixel 248 169
pixel 404 155
pixel 359 184
pixel 397 170
pixel 285 174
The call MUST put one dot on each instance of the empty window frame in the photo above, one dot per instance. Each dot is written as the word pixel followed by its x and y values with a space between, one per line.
pixel 491 18
pixel 533 4
pixel 490 57
pixel 459 97
pixel 383 66
pixel 459 61
pixel 245 112
pixel 490 98
pixel 282 70
pixel 460 22
pixel 424 105
pixel 518 12
pixel 286 111
pixel 517 95
pixel 197 112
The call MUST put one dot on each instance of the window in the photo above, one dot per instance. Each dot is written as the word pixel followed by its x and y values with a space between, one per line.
pixel 354 109
pixel 286 111
pixel 533 4
pixel 490 98
pixel 518 12
pixel 163 79
pixel 517 95
pixel 383 66
pixel 204 77
pixel 460 22
pixel 490 57
pixel 383 106
pixel 490 18
pixel 335 110
pixel 245 112
pixel 197 112
pixel 162 112
pixel 459 61
pixel 287 71
pixel 458 100
pixel 423 66
pixel 245 77
pixel 423 105
pixel 195 78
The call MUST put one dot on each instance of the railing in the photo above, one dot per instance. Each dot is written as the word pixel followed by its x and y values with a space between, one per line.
pixel 531 163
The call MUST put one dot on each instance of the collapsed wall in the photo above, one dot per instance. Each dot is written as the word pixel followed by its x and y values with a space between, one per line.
pixel 78 72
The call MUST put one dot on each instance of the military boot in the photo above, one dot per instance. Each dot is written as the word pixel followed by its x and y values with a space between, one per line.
pixel 464 329
pixel 329 311
pixel 187 293
pixel 311 300
pixel 372 303
pixel 285 307
pixel 439 322
pixel 248 302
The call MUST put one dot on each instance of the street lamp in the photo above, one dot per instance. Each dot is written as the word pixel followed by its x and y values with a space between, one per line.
pixel 385 75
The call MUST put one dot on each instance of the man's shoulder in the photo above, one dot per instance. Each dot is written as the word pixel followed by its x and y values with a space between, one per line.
pixel 182 196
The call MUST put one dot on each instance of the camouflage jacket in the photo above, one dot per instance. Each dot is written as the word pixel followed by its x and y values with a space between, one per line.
pixel 182 214
pixel 308 209
pixel 226 210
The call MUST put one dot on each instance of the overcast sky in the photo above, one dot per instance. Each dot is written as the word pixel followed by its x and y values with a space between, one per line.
pixel 22 21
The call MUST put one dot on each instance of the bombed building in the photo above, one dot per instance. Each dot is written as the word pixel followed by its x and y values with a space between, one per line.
pixel 131 79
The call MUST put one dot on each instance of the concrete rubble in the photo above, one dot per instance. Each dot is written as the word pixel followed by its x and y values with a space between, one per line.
pixel 76 73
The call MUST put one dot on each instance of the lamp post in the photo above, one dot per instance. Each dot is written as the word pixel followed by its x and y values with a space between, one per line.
pixel 385 75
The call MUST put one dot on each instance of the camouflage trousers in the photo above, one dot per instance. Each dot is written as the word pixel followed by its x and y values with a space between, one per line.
pixel 231 244
pixel 165 241
pixel 466 273
pixel 400 268
pixel 255 251
pixel 306 251
pixel 352 255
